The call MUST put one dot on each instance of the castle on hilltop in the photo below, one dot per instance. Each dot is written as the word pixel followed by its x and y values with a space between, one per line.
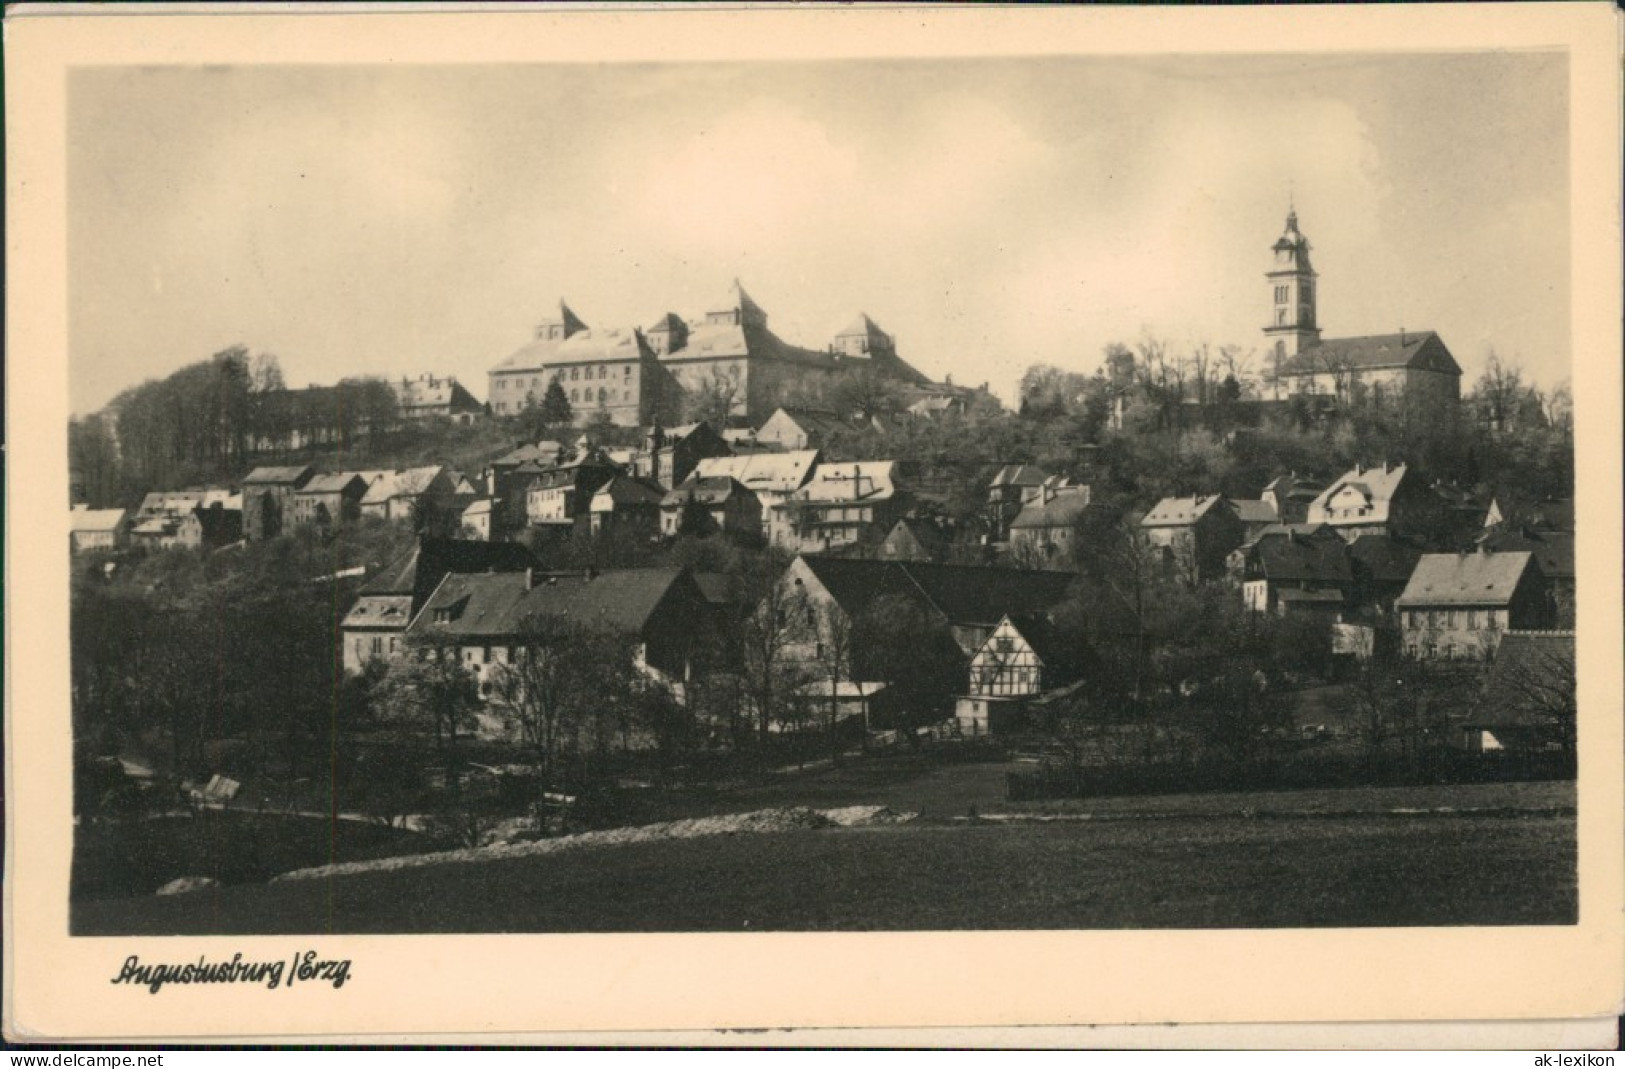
pixel 640 376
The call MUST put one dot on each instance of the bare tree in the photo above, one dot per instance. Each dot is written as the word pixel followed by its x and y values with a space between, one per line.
pixel 713 398
pixel 767 635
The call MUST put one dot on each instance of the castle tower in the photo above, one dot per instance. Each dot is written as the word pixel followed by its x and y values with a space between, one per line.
pixel 1292 284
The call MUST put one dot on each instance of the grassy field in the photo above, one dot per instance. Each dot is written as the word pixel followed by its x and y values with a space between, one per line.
pixel 136 858
pixel 1203 866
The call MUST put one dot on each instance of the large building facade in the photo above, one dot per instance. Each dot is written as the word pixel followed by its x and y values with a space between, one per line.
pixel 1411 366
pixel 639 376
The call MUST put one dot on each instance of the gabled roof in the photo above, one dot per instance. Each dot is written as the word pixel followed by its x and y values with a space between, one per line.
pixel 409 483
pixel 547 452
pixel 779 473
pixel 1062 655
pixel 1062 510
pixel 85 520
pixel 926 534
pixel 291 475
pixel 1291 488
pixel 1254 510
pixel 710 490
pixel 1384 558
pixel 1552 550
pixel 582 346
pixel 1020 475
pixel 498 605
pixel 627 490
pixel 1287 558
pixel 1418 350
pixel 1180 511
pixel 959 594
pixel 814 420
pixel 420 569
pixel 158 525
pixel 1376 485
pixel 863 480
pixel 432 391
pixel 334 484
pixel 1465 579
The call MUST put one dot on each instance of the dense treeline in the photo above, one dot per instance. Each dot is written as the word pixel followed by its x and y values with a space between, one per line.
pixel 212 420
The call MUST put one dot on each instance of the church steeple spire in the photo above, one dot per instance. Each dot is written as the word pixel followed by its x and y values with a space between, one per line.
pixel 1292 325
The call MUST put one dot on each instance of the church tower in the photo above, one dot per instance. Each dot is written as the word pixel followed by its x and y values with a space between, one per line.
pixel 1292 283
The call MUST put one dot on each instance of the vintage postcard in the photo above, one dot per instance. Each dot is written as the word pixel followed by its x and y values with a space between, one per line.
pixel 612 520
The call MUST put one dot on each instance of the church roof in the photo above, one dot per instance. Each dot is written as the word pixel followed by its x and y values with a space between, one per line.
pixel 583 346
pixel 1418 350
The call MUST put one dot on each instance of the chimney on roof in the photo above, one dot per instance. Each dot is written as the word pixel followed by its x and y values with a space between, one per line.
pixel 592 572
pixel 1402 337
pixel 1358 468
pixel 530 578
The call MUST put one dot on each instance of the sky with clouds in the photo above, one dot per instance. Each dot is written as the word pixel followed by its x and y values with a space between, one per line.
pixel 989 213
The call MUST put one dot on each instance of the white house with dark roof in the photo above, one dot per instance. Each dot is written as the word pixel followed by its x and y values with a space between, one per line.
pixel 93 529
pixel 844 504
pixel 773 477
pixel 1197 533
pixel 1458 605
pixel 430 396
pixel 1047 524
pixel 1380 499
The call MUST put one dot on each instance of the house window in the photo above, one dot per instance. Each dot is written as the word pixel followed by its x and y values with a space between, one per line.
pixel 575 373
pixel 1472 619
pixel 1280 294
pixel 573 396
pixel 603 371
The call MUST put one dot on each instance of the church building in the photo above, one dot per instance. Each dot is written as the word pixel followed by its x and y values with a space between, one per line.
pixel 1414 366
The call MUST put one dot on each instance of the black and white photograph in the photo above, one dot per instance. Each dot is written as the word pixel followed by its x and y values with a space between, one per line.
pixel 1068 492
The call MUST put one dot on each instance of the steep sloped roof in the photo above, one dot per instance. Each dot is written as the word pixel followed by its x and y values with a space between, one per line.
pixel 864 327
pixel 1384 558
pixel 1291 559
pixel 1020 475
pixel 291 475
pixel 583 346
pixel 1465 579
pixel 431 391
pixel 960 594
pixel 419 569
pixel 628 490
pixel 865 480
pixel 1552 550
pixel 763 472
pixel 1180 511
pixel 498 605
pixel 1377 485
pixel 333 484
pixel 710 490
pixel 1420 350
pixel 1062 510
pixel 1254 510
